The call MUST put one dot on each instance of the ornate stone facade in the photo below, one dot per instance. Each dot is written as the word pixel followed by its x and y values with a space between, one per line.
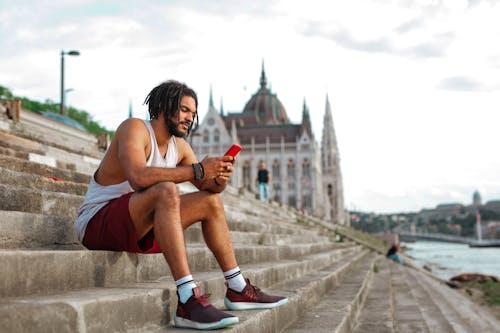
pixel 303 175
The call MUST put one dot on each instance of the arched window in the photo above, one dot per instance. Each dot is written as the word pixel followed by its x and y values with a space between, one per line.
pixel 247 182
pixel 206 136
pixel 216 135
pixel 306 168
pixel 307 201
pixel 290 169
pixel 276 170
pixel 277 192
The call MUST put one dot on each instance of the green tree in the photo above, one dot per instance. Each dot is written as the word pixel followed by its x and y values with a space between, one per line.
pixel 83 117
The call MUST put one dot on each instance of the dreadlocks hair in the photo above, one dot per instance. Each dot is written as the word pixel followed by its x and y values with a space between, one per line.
pixel 166 98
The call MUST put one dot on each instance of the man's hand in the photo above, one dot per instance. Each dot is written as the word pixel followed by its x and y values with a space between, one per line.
pixel 220 168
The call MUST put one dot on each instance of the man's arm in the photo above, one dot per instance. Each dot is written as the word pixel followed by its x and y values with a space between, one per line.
pixel 133 140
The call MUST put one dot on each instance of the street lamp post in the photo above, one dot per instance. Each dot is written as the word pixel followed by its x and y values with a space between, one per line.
pixel 71 53
pixel 66 103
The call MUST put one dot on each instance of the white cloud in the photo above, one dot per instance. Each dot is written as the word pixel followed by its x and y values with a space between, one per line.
pixel 413 85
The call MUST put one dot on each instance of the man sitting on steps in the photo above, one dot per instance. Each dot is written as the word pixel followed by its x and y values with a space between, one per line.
pixel 132 204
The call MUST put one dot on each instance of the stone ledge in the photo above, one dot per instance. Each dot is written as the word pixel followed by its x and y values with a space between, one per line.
pixel 110 308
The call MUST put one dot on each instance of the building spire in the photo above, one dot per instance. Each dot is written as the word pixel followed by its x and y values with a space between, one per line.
pixel 221 108
pixel 306 120
pixel 330 165
pixel 329 139
pixel 211 101
pixel 130 112
pixel 263 78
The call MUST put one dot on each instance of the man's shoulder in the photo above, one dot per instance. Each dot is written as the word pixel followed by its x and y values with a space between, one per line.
pixel 133 122
pixel 132 125
pixel 182 145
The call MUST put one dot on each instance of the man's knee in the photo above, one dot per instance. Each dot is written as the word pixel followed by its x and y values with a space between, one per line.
pixel 166 194
pixel 215 202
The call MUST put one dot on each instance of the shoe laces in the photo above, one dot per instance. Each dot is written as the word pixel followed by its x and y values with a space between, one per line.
pixel 252 291
pixel 203 299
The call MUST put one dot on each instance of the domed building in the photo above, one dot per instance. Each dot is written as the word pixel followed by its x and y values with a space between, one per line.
pixel 302 175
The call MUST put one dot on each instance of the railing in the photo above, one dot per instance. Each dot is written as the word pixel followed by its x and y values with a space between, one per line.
pixel 437 237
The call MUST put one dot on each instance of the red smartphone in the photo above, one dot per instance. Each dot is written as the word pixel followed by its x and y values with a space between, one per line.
pixel 233 150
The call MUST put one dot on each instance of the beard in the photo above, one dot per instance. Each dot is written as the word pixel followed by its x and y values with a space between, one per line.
pixel 173 128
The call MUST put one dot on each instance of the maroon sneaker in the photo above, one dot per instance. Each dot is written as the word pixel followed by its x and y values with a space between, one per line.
pixel 198 313
pixel 250 298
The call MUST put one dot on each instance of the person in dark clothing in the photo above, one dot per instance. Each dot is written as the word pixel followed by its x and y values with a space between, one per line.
pixel 263 177
pixel 393 253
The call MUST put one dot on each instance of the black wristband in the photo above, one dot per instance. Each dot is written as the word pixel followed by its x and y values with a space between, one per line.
pixel 202 170
pixel 215 181
pixel 195 173
pixel 199 172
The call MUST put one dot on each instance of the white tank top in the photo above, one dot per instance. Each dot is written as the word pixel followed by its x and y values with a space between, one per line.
pixel 98 196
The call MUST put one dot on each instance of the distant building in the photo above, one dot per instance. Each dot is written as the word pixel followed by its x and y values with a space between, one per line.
pixel 450 210
pixel 442 211
pixel 303 175
pixel 476 199
pixel 493 205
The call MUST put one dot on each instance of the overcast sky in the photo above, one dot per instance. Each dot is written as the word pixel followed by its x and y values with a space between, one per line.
pixel 414 85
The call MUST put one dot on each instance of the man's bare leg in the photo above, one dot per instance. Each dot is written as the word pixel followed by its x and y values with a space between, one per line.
pixel 163 208
pixel 209 209
pixel 159 207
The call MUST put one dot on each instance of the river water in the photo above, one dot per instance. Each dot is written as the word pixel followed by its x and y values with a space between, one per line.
pixel 449 259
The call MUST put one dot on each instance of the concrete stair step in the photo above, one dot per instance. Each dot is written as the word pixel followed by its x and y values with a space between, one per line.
pixel 92 310
pixel 7 151
pixel 301 291
pixel 17 143
pixel 52 155
pixel 25 181
pixel 24 230
pixel 26 272
pixel 18 198
pixel 43 183
pixel 463 318
pixel 268 239
pixel 34 129
pixel 21 230
pixel 20 187
pixel 29 167
pixel 273 214
pixel 263 224
pixel 148 307
pixel 336 309
pixel 376 313
pixel 435 319
pixel 49 132
pixel 259 210
pixel 407 315
pixel 195 235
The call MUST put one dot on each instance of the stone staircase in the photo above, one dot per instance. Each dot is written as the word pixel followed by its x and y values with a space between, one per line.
pixel 50 283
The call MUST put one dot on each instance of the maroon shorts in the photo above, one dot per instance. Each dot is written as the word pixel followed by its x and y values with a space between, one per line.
pixel 112 229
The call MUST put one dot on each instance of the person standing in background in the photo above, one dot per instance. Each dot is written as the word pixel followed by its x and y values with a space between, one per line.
pixel 263 177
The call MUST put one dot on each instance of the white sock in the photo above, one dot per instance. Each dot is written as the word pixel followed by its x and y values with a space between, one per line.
pixel 234 279
pixel 185 287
